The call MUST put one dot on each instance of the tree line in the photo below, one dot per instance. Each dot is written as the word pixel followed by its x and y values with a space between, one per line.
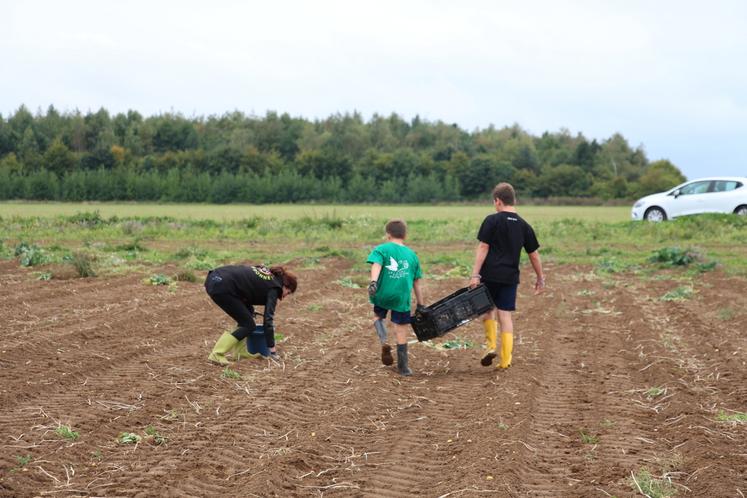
pixel 236 157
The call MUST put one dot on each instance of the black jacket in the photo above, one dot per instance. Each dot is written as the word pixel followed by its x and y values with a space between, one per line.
pixel 254 285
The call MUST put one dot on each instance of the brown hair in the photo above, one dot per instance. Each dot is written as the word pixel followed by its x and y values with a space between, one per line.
pixel 505 192
pixel 289 278
pixel 396 228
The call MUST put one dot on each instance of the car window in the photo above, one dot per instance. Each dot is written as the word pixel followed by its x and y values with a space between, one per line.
pixel 725 186
pixel 695 188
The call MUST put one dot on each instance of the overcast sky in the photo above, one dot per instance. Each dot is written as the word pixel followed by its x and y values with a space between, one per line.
pixel 670 76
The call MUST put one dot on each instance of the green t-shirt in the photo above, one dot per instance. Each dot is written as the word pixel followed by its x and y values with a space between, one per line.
pixel 399 269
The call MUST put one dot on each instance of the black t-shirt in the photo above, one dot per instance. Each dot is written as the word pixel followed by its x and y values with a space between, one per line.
pixel 506 233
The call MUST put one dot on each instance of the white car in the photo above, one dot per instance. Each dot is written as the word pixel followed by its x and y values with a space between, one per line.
pixel 725 194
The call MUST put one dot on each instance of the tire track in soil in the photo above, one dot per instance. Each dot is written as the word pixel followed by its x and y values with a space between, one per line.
pixel 582 380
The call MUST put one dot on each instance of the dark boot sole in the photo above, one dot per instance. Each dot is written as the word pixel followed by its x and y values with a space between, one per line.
pixel 386 355
pixel 487 360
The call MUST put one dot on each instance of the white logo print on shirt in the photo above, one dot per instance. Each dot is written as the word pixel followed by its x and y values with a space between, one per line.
pixel 398 269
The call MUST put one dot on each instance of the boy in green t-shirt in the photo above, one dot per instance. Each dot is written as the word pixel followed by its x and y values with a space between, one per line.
pixel 395 273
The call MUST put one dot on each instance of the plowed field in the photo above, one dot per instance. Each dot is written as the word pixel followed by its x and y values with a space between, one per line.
pixel 608 379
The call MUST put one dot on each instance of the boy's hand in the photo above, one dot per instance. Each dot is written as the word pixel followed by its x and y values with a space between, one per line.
pixel 539 285
pixel 372 288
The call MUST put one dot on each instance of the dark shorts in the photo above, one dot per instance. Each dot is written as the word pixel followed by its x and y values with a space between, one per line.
pixel 398 317
pixel 504 295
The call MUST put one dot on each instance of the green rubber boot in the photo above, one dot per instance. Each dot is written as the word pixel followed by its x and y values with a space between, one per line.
pixel 240 352
pixel 225 343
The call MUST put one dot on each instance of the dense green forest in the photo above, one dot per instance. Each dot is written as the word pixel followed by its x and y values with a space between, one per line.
pixel 278 158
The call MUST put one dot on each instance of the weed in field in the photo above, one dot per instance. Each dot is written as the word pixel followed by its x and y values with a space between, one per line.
pixel 171 415
pixel 589 438
pixel 97 455
pixel 230 374
pixel 679 294
pixel 23 460
pixel 201 264
pixel 458 343
pixel 502 426
pixel 152 433
pixel 348 282
pixel 674 256
pixel 45 276
pixel 607 423
pixel 314 307
pixel 133 246
pixel 185 276
pixel 128 438
pixel 669 341
pixel 66 432
pixel 654 392
pixel 585 293
pixel 650 486
pixel 725 314
pixel 87 219
pixel 131 227
pixel 614 265
pixel 159 279
pixel 735 417
pixel 82 263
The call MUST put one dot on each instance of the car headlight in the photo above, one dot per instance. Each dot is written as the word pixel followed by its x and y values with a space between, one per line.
pixel 638 204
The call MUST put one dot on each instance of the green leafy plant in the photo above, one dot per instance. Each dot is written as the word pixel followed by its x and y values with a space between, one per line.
pixel 153 434
pixel 159 279
pixel 23 460
pixel 674 256
pixel 45 276
pixel 128 438
pixel 314 307
pixel 230 374
pixel 738 417
pixel 65 431
pixel 654 392
pixel 589 438
pixel 679 294
pixel 30 254
pixel 458 343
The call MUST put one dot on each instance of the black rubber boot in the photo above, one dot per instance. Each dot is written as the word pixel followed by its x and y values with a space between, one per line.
pixel 386 354
pixel 402 360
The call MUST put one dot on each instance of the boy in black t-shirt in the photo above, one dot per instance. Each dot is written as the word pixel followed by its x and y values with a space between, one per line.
pixel 502 236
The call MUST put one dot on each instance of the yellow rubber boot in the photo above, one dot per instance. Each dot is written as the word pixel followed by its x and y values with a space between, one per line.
pixel 225 343
pixel 491 337
pixel 507 348
pixel 240 351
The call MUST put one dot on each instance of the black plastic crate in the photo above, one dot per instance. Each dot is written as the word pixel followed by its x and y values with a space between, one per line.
pixel 451 312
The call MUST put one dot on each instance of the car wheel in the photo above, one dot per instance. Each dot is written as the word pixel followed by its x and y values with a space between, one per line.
pixel 655 214
pixel 741 210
